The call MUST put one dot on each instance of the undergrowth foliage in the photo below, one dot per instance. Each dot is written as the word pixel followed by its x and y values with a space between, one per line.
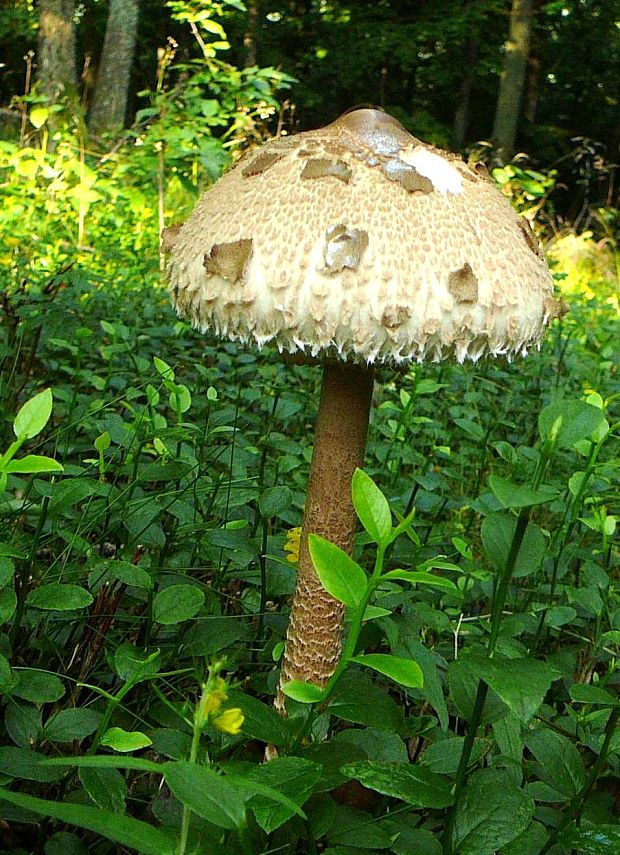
pixel 475 708
pixel 152 483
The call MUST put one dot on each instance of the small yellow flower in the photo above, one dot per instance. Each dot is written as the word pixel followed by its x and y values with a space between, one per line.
pixel 230 721
pixel 292 544
pixel 211 700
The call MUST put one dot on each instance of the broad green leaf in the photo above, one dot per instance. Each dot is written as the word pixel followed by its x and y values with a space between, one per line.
pixel 599 839
pixel 420 577
pixel 463 687
pixel 294 777
pixel 513 495
pixel 355 832
pixel 39 687
pixel 102 442
pixel 206 793
pixel 260 721
pixel 72 724
pixel 125 740
pixel 38 116
pixel 177 603
pixel 274 500
pixel 23 723
pixel 339 574
pixel 559 762
pixel 33 416
pixel 64 843
pixel 358 699
pixel 410 783
pixel 497 533
pixel 130 574
pixel 106 787
pixel 8 604
pixel 7 570
pixel 32 464
pixel 492 812
pixel 404 671
pixel 59 598
pixel 25 763
pixel 163 368
pixel 521 683
pixel 374 612
pixel 132 664
pixel 133 833
pixel 305 693
pixel 371 507
pixel 579 420
pixel 587 694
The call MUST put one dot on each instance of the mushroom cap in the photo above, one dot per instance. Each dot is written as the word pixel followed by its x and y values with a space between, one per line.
pixel 358 241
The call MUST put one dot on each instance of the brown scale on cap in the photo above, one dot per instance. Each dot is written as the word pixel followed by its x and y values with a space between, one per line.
pixel 229 260
pixel 410 178
pixel 321 167
pixel 343 248
pixel 261 163
pixel 463 285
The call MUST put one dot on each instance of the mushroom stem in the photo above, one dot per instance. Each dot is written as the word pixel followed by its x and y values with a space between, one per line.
pixel 315 625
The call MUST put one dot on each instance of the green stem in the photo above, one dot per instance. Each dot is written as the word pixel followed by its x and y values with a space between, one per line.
pixel 499 602
pixel 187 814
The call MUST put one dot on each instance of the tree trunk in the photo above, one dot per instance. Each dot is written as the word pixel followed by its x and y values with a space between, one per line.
pixel 512 79
pixel 249 38
pixel 109 104
pixel 56 57
pixel 461 115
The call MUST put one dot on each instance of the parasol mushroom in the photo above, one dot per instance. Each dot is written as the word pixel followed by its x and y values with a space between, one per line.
pixel 356 244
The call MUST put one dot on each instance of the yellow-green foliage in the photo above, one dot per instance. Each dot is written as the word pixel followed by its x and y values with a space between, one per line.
pixel 589 267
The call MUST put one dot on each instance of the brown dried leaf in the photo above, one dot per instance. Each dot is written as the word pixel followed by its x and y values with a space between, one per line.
pixel 229 260
pixel 463 285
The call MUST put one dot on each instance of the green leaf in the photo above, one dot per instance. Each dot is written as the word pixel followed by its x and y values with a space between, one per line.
pixel 177 603
pixel 106 787
pixel 587 694
pixel 599 839
pixel 163 368
pixel 132 664
pixel 420 577
pixel 559 762
pixel 578 421
pixel 305 693
pixel 521 683
pixel 64 843
pixel 125 740
pixel 72 724
pixel 260 721
pixel 130 574
pixel 7 570
pixel 463 687
pixel 38 687
pixel 8 604
pixel 206 793
pixel 410 783
pixel 517 495
pixel 102 442
pixel 497 533
pixel 294 777
pixel 33 463
pixel 59 598
pixel 339 574
pixel 133 833
pixel 404 671
pixel 358 699
pixel 274 500
pixel 33 416
pixel 492 811
pixel 371 507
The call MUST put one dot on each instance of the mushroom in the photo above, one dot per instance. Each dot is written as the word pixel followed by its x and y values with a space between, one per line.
pixel 356 244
